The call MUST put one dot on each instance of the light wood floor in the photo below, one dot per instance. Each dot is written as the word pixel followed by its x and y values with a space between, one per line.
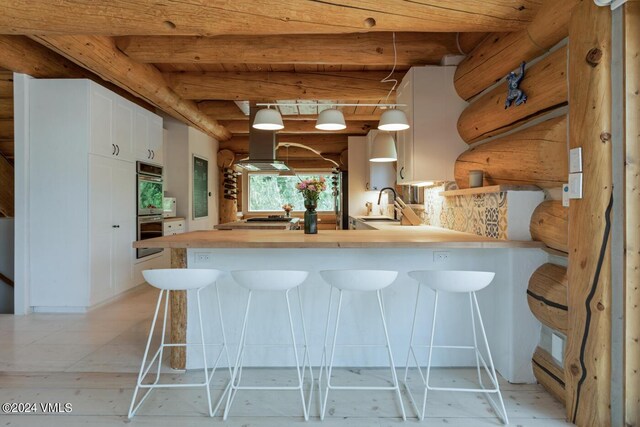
pixel 90 361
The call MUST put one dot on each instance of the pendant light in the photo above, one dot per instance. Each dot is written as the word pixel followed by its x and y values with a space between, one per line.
pixel 383 148
pixel 392 120
pixel 331 119
pixel 268 119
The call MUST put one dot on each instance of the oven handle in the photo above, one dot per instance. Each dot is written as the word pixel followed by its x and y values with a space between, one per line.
pixel 152 178
pixel 145 220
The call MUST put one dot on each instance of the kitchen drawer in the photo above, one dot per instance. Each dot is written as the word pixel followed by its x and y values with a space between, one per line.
pixel 173 227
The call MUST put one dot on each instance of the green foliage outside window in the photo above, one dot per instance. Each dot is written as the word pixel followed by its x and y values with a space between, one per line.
pixel 268 192
pixel 150 194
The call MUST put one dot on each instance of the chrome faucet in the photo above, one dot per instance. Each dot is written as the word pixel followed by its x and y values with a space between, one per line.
pixel 395 195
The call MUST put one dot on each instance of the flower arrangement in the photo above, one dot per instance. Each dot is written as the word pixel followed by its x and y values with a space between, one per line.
pixel 312 187
pixel 287 208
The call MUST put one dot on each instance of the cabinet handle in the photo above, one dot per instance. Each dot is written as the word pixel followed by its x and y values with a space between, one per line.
pixel 114 149
pixel 401 175
pixel 148 154
pixel 118 148
pixel 115 226
pixel 153 154
pixel 367 186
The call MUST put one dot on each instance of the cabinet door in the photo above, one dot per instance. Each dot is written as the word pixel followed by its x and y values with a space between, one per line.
pixel 404 138
pixel 124 215
pixel 141 135
pixel 155 138
pixel 123 115
pixel 100 227
pixel 101 113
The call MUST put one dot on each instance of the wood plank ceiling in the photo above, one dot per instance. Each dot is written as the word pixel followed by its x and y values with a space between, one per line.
pixel 194 59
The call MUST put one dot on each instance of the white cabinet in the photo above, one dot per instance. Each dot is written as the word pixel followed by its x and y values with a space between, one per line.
pixel 427 151
pixel 111 127
pixel 173 226
pixel 148 136
pixel 81 196
pixel 378 174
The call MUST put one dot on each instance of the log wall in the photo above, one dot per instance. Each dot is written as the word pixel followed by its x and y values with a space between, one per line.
pixel 546 87
pixel 533 156
pixel 587 359
pixel 550 225
pixel 632 214
pixel 501 53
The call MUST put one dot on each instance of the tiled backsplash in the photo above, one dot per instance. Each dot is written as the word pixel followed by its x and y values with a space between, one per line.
pixel 481 214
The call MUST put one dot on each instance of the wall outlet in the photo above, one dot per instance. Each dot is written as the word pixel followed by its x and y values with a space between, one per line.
pixel 201 257
pixel 441 256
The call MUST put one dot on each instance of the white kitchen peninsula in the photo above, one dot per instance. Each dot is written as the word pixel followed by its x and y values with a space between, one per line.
pixel 513 331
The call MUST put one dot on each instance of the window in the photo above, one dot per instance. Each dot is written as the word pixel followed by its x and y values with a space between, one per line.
pixel 268 192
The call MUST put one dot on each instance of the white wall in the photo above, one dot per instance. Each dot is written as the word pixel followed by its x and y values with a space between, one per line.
pixel 183 142
pixel 6 263
pixel 204 147
pixel 358 194
pixel 22 302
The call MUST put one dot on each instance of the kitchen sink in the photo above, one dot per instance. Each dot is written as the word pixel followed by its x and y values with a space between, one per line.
pixel 380 219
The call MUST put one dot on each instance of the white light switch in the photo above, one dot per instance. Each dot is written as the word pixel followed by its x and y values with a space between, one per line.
pixel 565 195
pixel 575 185
pixel 575 160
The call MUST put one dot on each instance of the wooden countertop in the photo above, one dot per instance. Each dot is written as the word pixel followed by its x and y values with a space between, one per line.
pixel 259 225
pixel 426 237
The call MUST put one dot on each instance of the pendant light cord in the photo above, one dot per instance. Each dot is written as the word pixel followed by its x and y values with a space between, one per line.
pixel 388 79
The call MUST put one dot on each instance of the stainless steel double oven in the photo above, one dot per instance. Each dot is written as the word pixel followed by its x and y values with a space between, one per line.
pixel 149 194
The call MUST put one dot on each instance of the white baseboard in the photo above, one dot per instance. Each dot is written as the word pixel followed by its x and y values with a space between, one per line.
pixel 47 309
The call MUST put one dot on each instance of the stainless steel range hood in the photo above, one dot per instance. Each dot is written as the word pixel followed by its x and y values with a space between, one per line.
pixel 262 150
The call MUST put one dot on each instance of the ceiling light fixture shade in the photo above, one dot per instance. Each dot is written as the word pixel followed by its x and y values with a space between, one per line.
pixel 383 148
pixel 331 119
pixel 268 119
pixel 392 120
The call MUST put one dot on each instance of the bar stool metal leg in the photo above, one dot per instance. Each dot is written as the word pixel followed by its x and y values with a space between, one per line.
pixel 328 367
pixel 300 367
pixel 501 410
pixel 132 409
pixel 234 385
pixel 394 374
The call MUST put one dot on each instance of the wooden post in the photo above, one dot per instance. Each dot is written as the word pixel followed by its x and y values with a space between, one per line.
pixel 587 359
pixel 632 214
pixel 178 358
pixel 228 209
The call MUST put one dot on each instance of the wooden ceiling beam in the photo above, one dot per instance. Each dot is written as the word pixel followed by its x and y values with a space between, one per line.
pixel 240 127
pixel 228 110
pixel 20 54
pixel 101 56
pixel 256 86
pixel 7 148
pixel 6 128
pixel 259 17
pixel 327 49
pixel 6 108
pixel 7 188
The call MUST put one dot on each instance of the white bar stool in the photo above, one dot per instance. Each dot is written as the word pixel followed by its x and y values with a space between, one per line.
pixel 459 282
pixel 356 280
pixel 168 280
pixel 272 280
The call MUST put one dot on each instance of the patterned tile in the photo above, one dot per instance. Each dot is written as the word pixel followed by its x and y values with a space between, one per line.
pixel 481 214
